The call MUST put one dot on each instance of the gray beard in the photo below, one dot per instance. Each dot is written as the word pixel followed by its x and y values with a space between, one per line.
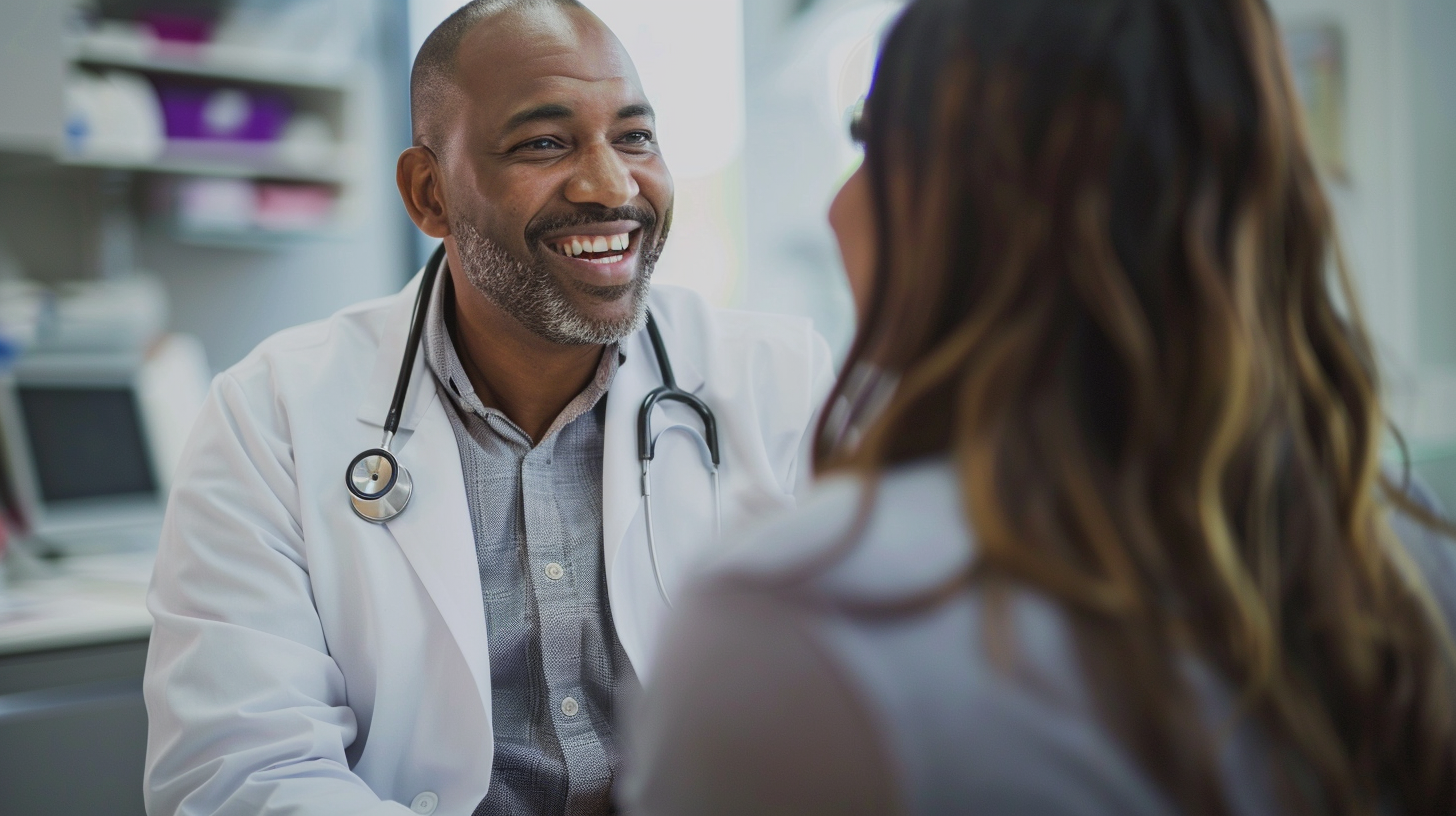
pixel 531 295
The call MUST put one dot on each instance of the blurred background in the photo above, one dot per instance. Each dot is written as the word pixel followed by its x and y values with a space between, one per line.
pixel 181 178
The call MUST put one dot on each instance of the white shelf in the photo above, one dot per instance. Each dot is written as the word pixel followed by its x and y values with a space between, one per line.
pixel 250 239
pixel 219 158
pixel 208 61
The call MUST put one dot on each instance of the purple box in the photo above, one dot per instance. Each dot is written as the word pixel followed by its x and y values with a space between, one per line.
pixel 179 28
pixel 194 110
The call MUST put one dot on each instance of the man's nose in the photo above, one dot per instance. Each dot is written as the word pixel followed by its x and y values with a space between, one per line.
pixel 602 178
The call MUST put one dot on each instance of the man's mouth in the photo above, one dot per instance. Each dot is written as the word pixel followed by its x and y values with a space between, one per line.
pixel 597 249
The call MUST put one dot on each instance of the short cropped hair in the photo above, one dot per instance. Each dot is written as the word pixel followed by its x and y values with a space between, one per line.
pixel 432 80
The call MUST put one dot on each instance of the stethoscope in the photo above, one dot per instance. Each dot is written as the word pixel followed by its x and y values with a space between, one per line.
pixel 380 487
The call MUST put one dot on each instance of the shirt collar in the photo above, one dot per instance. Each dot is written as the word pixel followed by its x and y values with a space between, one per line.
pixel 444 362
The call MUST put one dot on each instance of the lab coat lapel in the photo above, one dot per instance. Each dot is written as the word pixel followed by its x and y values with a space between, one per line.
pixel 621 469
pixel 436 535
pixel 434 531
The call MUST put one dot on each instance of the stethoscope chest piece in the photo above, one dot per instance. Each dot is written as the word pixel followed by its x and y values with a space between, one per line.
pixel 379 488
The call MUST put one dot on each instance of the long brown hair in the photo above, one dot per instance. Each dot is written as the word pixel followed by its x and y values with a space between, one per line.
pixel 1109 290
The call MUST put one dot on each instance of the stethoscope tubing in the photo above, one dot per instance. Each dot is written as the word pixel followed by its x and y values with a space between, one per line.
pixel 713 475
pixel 651 533
pixel 379 506
pixel 384 505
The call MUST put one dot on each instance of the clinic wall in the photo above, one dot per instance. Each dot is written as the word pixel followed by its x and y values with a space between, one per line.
pixel 798 153
pixel 1372 203
pixel 1431 29
pixel 1396 208
pixel 1432 26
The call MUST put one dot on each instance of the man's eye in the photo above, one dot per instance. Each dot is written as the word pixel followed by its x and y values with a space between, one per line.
pixel 541 144
pixel 638 137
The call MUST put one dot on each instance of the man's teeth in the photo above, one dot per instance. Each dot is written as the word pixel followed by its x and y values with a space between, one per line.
pixel 578 244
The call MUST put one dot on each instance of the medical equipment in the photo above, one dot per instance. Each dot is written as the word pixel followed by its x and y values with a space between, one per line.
pixel 90 441
pixel 380 487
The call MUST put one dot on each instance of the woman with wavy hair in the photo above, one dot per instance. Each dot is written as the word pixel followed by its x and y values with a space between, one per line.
pixel 1104 527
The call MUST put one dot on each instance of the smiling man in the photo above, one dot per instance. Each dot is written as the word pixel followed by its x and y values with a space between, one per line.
pixel 467 649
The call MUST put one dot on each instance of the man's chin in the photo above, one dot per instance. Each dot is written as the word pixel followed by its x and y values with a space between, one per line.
pixel 588 297
pixel 621 309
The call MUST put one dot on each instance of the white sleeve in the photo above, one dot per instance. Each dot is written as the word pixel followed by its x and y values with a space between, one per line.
pixel 247 710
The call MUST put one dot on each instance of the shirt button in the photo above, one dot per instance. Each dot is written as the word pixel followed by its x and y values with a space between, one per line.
pixel 569 707
pixel 425 803
pixel 554 571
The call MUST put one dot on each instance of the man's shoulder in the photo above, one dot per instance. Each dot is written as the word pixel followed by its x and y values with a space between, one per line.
pixel 311 352
pixel 715 332
pixel 688 309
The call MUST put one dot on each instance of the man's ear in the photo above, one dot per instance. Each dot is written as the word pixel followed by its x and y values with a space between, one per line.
pixel 420 185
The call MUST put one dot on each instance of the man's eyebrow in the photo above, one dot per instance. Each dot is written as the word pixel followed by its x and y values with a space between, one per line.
pixel 537 114
pixel 634 111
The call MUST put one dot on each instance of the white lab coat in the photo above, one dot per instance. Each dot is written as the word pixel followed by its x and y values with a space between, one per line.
pixel 305 661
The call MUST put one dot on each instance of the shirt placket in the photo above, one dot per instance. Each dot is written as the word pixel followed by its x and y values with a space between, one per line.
pixel 553 578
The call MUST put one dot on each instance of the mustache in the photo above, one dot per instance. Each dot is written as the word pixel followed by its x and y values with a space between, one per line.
pixel 585 217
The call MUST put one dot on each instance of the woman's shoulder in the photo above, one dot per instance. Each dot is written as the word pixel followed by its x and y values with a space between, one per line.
pixel 810 611
pixel 1432 553
pixel 899 534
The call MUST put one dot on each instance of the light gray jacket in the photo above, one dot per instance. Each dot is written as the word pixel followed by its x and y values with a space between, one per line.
pixel 767 703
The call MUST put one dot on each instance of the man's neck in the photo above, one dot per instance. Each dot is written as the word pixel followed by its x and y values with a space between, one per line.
pixel 529 379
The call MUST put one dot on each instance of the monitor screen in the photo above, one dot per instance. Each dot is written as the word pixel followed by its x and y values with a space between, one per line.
pixel 87 442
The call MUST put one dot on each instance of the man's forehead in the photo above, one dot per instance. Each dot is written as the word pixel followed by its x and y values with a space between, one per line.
pixel 575 94
pixel 525 56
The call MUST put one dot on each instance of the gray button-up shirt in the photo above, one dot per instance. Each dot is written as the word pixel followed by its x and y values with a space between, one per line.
pixel 557 670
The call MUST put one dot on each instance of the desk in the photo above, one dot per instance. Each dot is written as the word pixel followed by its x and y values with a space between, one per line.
pixel 78 602
pixel 73 727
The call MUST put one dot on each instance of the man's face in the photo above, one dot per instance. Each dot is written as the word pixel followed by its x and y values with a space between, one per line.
pixel 559 200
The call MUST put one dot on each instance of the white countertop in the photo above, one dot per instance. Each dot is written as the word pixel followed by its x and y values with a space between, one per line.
pixel 79 601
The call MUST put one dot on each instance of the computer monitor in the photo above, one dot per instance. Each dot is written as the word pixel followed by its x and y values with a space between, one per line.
pixel 87 442
pixel 90 440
